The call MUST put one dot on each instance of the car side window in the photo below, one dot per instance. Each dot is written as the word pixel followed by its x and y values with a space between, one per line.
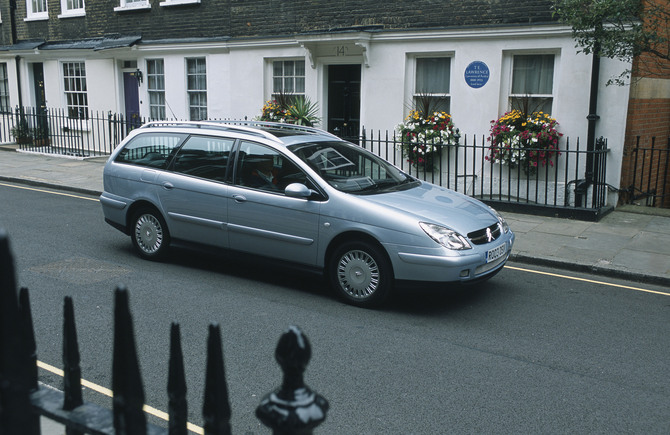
pixel 150 149
pixel 204 157
pixel 264 168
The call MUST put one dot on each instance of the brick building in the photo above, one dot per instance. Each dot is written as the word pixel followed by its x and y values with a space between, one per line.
pixel 646 162
pixel 363 62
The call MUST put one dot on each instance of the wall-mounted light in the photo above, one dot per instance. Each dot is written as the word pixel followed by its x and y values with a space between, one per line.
pixel 138 75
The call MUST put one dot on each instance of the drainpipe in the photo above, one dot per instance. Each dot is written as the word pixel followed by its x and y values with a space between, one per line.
pixel 17 59
pixel 582 185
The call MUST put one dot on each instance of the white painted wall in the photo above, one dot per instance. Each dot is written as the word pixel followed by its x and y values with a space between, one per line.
pixel 239 77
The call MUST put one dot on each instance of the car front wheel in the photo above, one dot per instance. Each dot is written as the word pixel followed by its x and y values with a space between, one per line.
pixel 149 234
pixel 360 273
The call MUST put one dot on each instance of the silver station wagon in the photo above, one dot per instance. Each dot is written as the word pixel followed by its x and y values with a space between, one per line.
pixel 298 194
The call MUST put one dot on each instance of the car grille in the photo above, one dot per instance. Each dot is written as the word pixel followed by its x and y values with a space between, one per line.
pixel 485 235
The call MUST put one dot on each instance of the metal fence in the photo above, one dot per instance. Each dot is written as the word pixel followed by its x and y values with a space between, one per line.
pixel 292 409
pixel 54 131
pixel 572 183
pixel 645 178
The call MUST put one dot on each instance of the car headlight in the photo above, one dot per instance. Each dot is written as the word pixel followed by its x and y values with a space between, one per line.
pixel 445 236
pixel 503 222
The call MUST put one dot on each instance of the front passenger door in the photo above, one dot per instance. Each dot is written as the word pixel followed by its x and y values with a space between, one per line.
pixel 262 220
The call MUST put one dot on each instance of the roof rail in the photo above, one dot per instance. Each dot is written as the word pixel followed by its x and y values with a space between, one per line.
pixel 244 126
pixel 280 126
pixel 212 125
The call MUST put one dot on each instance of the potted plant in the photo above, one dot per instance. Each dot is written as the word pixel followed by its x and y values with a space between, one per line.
pixel 422 136
pixel 526 141
pixel 291 109
pixel 22 133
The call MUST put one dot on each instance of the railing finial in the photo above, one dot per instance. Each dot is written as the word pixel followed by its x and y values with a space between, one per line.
pixel 293 408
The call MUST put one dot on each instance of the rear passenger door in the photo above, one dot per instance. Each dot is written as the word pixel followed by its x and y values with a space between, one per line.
pixel 193 191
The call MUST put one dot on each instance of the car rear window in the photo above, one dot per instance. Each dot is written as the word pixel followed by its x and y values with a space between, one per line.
pixel 150 149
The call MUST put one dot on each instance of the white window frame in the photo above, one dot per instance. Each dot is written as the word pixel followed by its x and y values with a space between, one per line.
pixel 548 106
pixel 32 15
pixel 190 91
pixel 79 81
pixel 295 78
pixel 67 12
pixel 415 72
pixel 177 2
pixel 132 5
pixel 152 90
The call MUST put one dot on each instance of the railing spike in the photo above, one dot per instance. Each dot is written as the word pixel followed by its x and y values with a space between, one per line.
pixel 216 407
pixel 128 400
pixel 16 416
pixel 177 406
pixel 28 338
pixel 293 408
pixel 71 359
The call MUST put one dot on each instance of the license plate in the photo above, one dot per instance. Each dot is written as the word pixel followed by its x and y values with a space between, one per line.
pixel 496 253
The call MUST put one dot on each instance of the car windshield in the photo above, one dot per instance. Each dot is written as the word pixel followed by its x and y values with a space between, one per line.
pixel 350 168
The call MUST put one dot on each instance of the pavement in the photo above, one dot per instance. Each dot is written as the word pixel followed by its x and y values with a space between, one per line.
pixel 631 242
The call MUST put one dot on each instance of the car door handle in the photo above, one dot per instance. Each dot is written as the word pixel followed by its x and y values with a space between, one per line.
pixel 167 185
pixel 239 198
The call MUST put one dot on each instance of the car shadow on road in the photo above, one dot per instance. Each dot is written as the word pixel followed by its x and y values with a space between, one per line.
pixel 440 299
pixel 252 268
pixel 413 298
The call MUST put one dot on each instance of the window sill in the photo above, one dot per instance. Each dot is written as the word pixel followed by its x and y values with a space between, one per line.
pixel 40 17
pixel 177 2
pixel 133 7
pixel 72 14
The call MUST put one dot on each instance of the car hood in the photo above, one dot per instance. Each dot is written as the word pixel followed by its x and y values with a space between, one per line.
pixel 431 203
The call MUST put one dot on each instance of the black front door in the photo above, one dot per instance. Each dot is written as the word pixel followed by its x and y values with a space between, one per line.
pixel 41 132
pixel 344 100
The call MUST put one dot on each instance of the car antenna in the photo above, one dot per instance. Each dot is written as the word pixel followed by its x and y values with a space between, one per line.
pixel 168 104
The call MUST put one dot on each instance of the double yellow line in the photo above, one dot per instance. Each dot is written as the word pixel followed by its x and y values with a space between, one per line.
pixel 574 278
pixel 109 393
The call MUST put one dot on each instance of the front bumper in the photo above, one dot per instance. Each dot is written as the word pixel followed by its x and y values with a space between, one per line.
pixel 437 267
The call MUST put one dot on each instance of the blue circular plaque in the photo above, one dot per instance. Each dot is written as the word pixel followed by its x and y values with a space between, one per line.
pixel 477 74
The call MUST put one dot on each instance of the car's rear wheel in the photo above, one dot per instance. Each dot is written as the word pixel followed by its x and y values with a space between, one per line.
pixel 150 234
pixel 360 273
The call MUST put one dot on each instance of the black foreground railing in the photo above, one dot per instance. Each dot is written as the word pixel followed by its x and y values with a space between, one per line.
pixel 645 176
pixel 292 409
pixel 572 183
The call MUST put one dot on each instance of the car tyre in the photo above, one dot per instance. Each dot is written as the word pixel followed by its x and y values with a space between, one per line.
pixel 150 234
pixel 360 273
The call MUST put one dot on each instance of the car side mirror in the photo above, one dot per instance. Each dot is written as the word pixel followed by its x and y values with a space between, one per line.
pixel 298 190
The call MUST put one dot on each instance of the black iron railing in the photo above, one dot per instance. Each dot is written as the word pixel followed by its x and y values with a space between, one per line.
pixel 572 183
pixel 55 131
pixel 645 174
pixel 292 409
pixel 563 185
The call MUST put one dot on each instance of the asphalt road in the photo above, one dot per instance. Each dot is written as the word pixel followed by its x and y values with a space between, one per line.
pixel 522 353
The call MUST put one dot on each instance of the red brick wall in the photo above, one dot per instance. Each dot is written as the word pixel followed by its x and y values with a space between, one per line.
pixel 648 126
pixel 648 123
